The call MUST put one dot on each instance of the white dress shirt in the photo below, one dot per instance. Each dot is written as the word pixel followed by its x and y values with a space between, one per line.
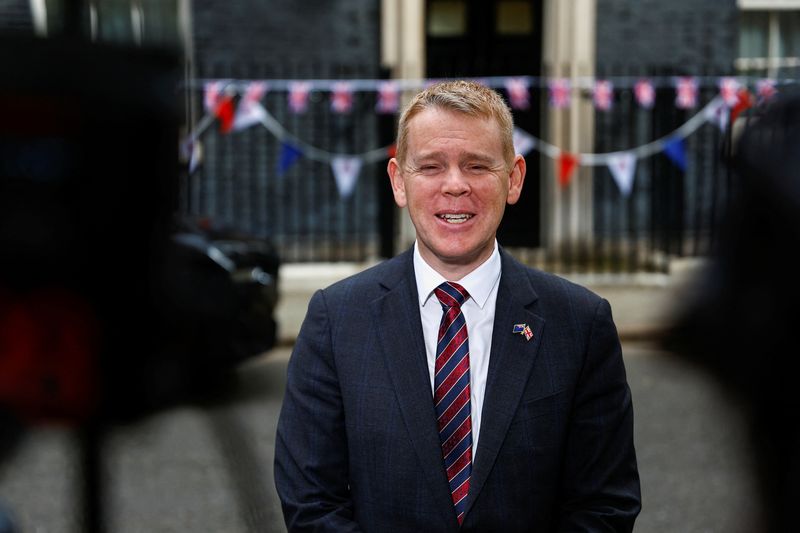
pixel 481 284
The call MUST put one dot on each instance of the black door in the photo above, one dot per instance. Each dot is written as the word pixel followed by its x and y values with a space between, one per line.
pixel 479 38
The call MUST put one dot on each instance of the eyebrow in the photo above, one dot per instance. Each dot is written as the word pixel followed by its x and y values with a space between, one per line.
pixel 468 156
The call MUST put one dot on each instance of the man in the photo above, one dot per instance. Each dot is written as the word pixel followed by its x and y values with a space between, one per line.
pixel 495 402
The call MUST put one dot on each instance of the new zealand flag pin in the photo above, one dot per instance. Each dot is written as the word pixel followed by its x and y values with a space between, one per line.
pixel 523 329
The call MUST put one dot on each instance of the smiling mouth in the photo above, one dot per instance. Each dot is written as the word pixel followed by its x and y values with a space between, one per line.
pixel 459 218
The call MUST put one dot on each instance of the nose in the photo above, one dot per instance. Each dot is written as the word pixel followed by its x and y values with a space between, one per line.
pixel 455 183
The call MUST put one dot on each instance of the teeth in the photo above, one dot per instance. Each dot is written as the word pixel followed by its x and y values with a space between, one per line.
pixel 455 219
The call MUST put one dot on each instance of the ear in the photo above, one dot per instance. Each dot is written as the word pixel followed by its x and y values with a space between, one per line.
pixel 515 179
pixel 398 184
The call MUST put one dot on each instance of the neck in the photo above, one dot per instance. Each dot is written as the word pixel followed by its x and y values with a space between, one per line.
pixel 455 271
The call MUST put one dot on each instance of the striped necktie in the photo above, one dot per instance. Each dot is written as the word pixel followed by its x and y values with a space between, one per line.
pixel 451 394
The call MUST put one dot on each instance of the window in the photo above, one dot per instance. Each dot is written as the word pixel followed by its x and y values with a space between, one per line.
pixel 514 17
pixel 133 22
pixel 447 18
pixel 769 43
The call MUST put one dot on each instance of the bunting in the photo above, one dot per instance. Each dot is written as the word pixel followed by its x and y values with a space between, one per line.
pixel 729 91
pixel 560 93
pixel 623 167
pixel 686 89
pixel 388 98
pixel 219 103
pixel 524 142
pixel 645 93
pixel 212 94
pixel 718 115
pixel 250 111
pixel 345 172
pixel 567 163
pixel 603 95
pixel 744 101
pixel 191 153
pixel 675 150
pixel 298 96
pixel 518 90
pixel 342 98
pixel 766 90
pixel 221 96
pixel 289 156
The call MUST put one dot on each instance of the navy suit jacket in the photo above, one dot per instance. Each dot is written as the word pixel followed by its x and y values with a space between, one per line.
pixel 357 445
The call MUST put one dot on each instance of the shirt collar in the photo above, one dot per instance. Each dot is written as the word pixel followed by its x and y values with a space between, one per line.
pixel 478 283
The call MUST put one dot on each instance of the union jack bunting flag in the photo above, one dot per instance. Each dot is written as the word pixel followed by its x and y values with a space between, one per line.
pixel 603 95
pixel 560 92
pixel 342 98
pixel 766 90
pixel 518 93
pixel 729 91
pixel 686 88
pixel 645 93
pixel 388 97
pixel 298 96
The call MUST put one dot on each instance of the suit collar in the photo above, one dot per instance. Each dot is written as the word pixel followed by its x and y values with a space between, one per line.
pixel 510 365
pixel 400 332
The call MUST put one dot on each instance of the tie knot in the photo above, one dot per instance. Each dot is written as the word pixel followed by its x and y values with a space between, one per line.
pixel 451 294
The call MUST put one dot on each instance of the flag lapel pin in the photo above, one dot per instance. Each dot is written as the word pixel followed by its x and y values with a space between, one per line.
pixel 523 329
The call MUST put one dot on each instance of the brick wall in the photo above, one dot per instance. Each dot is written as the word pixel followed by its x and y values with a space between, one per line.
pixel 239 183
pixel 686 33
pixel 287 32
pixel 15 16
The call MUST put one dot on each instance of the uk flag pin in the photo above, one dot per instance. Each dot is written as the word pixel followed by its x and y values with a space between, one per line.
pixel 523 329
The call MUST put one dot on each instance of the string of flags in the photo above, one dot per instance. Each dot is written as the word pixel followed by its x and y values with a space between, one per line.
pixel 237 105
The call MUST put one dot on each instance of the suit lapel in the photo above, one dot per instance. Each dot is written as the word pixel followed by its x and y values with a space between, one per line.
pixel 510 363
pixel 400 332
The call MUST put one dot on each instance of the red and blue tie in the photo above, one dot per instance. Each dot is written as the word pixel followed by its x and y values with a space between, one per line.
pixel 451 393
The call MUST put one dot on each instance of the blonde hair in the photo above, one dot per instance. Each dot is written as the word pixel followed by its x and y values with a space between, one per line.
pixel 460 96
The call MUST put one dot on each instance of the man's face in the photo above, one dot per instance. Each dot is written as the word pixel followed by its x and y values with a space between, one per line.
pixel 456 183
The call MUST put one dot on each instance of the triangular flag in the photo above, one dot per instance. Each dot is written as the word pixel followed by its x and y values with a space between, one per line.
pixel 342 97
pixel 603 95
pixel 225 111
pixel 249 111
pixel 388 97
pixel 289 155
pixel 567 163
pixel 196 157
pixel 518 92
pixel 191 153
pixel 745 101
pixel 623 168
pixel 524 142
pixel 766 90
pixel 719 115
pixel 298 96
pixel 213 89
pixel 345 172
pixel 645 93
pixel 686 92
pixel 220 103
pixel 729 90
pixel 675 149
pixel 560 93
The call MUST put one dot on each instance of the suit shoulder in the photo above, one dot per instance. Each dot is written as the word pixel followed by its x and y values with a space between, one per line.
pixel 543 281
pixel 550 287
pixel 568 286
pixel 368 282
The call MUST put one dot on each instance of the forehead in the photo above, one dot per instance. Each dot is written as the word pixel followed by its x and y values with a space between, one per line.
pixel 435 129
